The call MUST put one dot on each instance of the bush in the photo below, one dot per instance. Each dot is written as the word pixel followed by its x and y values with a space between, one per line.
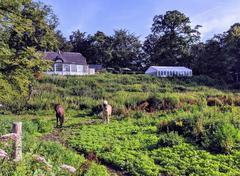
pixel 170 102
pixel 215 135
pixel 138 115
pixel 221 137
pixel 169 140
pixel 214 101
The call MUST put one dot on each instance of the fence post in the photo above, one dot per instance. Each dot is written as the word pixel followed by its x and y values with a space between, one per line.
pixel 17 129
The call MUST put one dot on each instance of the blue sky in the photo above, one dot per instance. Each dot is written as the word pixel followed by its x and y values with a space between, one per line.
pixel 216 16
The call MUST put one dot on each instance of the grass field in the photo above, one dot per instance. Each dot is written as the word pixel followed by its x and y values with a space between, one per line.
pixel 185 126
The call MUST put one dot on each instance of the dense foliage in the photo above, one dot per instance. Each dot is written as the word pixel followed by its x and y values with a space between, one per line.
pixel 171 40
pixel 25 28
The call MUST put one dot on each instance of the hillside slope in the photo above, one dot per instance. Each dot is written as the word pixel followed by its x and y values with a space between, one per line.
pixel 187 126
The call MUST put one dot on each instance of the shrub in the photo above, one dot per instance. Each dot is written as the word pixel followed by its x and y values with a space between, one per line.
pixel 170 103
pixel 237 101
pixel 214 101
pixel 221 137
pixel 138 115
pixel 169 140
pixel 216 135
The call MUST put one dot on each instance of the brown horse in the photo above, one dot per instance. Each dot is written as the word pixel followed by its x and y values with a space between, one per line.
pixel 59 114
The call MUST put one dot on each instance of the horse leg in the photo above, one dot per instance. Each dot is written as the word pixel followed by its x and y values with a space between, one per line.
pixel 108 118
pixel 103 117
pixel 61 121
pixel 57 120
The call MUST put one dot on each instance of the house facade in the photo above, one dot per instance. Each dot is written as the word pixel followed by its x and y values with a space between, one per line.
pixel 68 63
pixel 169 71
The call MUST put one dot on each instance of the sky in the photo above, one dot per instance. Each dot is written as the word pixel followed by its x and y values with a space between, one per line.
pixel 215 16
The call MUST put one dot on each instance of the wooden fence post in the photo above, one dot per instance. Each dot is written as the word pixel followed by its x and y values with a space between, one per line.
pixel 17 129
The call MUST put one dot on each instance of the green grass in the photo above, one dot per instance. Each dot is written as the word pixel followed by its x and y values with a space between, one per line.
pixel 193 127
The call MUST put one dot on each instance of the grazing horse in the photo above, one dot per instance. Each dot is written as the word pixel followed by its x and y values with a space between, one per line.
pixel 59 114
pixel 107 111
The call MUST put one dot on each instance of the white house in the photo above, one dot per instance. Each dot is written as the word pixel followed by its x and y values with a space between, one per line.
pixel 168 71
pixel 68 63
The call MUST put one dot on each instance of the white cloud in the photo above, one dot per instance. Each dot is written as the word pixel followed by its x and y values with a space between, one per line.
pixel 218 19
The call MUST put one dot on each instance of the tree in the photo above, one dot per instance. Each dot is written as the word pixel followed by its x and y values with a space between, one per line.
pixel 219 56
pixel 120 50
pixel 102 45
pixel 126 49
pixel 171 40
pixel 25 27
pixel 232 51
pixel 82 43
pixel 211 59
pixel 63 44
pixel 41 22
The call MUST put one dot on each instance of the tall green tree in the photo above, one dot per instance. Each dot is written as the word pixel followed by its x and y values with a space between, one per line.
pixel 25 28
pixel 102 47
pixel 63 44
pixel 231 51
pixel 210 59
pixel 219 56
pixel 81 42
pixel 126 49
pixel 171 40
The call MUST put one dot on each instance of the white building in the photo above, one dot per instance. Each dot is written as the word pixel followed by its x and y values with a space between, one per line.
pixel 168 71
pixel 68 63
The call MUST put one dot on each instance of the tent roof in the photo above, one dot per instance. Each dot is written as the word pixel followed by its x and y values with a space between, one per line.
pixel 170 68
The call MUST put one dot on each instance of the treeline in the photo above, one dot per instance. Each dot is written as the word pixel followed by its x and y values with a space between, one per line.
pixel 27 27
pixel 172 42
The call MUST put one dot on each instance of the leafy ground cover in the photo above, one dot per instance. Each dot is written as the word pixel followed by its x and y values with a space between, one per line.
pixel 34 144
pixel 187 126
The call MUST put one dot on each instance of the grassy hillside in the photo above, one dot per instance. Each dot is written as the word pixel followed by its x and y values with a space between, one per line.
pixel 187 126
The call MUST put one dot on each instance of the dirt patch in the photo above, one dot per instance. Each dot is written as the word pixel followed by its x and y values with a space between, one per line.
pixel 55 136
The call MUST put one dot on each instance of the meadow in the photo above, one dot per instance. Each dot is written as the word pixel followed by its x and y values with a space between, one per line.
pixel 174 126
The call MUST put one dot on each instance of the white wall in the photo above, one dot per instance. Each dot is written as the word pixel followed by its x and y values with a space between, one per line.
pixel 70 69
pixel 165 72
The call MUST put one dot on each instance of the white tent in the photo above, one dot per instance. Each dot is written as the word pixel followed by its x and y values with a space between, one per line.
pixel 168 71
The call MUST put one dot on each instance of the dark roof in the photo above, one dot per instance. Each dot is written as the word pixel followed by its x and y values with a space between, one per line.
pixel 97 67
pixel 66 57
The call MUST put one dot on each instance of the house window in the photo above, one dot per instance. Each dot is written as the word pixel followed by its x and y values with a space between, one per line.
pixel 66 67
pixel 73 68
pixel 161 72
pixel 85 69
pixel 80 68
pixel 58 67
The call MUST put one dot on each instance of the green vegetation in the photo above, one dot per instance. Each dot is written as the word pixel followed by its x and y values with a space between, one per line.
pixel 26 27
pixel 175 126
pixel 159 126
pixel 35 144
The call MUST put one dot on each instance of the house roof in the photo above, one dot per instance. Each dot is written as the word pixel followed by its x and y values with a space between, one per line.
pixel 170 68
pixel 66 57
